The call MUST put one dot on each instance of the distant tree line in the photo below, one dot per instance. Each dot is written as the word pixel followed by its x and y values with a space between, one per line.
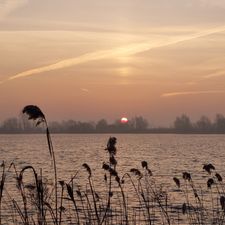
pixel 183 124
pixel 138 124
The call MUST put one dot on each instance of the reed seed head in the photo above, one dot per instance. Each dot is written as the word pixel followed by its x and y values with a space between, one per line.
pixel 186 176
pixel 219 178
pixel 111 145
pixel 113 172
pixel 105 177
pixel 78 193
pixel 105 166
pixel 177 182
pixel 34 113
pixel 117 178
pixel 70 191
pixel 87 167
pixel 184 208
pixel 62 183
pixel 210 182
pixel 136 172
pixel 208 168
pixel 144 164
pixel 149 172
pixel 222 202
pixel 2 164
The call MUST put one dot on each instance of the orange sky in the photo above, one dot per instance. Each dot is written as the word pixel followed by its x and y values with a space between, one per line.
pixel 88 59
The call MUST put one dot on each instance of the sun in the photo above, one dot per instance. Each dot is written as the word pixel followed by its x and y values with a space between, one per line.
pixel 123 120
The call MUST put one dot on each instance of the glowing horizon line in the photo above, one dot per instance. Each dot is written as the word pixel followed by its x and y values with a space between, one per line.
pixel 118 52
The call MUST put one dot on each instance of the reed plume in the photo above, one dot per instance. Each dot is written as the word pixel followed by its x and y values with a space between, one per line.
pixel 177 182
pixel 208 168
pixel 35 113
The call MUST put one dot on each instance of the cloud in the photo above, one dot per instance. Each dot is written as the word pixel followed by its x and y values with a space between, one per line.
pixel 172 94
pixel 210 3
pixel 216 74
pixel 8 6
pixel 117 52
pixel 84 90
pixel 191 83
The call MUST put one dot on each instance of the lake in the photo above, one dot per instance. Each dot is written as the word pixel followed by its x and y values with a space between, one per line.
pixel 168 155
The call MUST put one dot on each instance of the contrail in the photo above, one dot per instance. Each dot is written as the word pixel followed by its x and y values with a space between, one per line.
pixel 7 6
pixel 84 89
pixel 118 52
pixel 216 74
pixel 172 94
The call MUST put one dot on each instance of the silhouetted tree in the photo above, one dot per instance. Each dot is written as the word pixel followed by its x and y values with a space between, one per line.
pixel 102 126
pixel 122 127
pixel 139 123
pixel 219 123
pixel 183 124
pixel 69 126
pixel 204 124
pixel 55 127
pixel 11 125
pixel 28 125
pixel 86 127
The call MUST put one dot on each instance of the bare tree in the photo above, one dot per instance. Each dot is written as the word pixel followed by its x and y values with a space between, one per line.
pixel 183 124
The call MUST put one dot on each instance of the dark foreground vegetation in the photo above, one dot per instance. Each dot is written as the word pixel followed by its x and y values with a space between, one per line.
pixel 138 124
pixel 135 197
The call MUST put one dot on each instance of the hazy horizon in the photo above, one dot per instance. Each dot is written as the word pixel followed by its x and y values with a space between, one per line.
pixel 88 60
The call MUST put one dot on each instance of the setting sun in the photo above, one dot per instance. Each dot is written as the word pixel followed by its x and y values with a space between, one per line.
pixel 123 120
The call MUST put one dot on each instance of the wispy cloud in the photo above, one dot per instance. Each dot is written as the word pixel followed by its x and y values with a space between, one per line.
pixel 172 94
pixel 217 3
pixel 8 6
pixel 115 53
pixel 84 90
pixel 191 83
pixel 216 74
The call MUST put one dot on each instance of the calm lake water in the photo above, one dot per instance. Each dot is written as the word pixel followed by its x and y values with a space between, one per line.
pixel 167 154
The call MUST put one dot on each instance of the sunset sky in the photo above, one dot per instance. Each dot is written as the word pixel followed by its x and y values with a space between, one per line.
pixel 93 59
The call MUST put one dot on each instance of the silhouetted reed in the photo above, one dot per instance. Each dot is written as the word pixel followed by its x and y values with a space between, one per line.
pixel 2 183
pixel 93 193
pixel 35 113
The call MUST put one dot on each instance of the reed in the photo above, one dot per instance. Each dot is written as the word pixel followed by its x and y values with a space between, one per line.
pixel 2 183
pixel 35 113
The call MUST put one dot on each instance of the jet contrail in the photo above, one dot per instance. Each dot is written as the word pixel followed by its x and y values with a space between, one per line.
pixel 216 74
pixel 172 94
pixel 118 52
pixel 84 89
pixel 7 6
